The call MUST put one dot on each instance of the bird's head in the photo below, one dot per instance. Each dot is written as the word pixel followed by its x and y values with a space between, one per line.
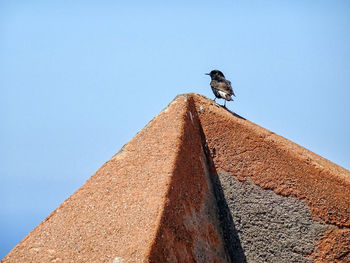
pixel 215 74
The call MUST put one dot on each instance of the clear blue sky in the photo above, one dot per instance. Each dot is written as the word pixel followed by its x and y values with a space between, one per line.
pixel 79 80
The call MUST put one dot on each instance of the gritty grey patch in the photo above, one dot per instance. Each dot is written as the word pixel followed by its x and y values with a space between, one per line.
pixel 201 253
pixel 270 227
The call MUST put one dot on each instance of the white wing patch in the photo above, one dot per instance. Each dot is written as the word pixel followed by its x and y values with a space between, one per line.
pixel 224 95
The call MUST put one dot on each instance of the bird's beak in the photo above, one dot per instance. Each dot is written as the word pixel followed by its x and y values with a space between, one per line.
pixel 207 73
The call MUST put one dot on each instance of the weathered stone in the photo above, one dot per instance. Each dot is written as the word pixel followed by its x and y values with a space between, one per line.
pixel 201 184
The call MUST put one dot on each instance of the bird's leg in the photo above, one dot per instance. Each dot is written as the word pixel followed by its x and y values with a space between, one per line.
pixel 225 104
pixel 215 99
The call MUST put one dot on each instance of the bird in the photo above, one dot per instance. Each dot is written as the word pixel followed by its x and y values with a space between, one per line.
pixel 220 86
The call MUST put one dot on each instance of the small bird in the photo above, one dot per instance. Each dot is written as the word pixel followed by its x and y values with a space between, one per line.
pixel 221 87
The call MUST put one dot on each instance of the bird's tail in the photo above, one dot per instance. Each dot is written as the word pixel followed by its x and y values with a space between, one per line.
pixel 228 97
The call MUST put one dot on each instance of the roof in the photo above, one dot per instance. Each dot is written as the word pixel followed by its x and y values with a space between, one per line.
pixel 173 193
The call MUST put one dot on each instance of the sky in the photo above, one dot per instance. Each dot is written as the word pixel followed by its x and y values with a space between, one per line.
pixel 78 79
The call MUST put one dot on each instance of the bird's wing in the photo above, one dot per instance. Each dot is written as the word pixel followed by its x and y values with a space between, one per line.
pixel 224 86
pixel 213 84
pixel 230 88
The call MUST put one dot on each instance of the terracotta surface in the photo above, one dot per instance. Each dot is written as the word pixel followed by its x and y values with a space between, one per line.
pixel 149 202
pixel 156 201
pixel 249 152
pixel 189 230
pixel 334 246
pixel 246 150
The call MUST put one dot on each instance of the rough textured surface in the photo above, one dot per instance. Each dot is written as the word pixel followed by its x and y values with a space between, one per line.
pixel 201 184
pixel 189 230
pixel 246 151
pixel 334 246
pixel 156 185
pixel 271 228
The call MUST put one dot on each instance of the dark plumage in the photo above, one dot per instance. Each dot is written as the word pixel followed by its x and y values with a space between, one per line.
pixel 221 87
